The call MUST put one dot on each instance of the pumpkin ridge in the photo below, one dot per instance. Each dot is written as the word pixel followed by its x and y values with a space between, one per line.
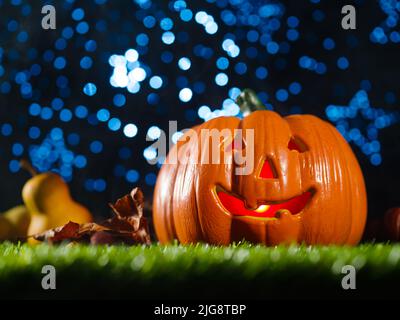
pixel 165 229
pixel 346 180
pixel 356 173
pixel 192 218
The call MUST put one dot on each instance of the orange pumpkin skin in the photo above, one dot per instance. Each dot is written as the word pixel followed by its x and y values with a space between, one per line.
pixel 187 207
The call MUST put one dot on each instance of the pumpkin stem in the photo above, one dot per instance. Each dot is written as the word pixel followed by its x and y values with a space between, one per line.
pixel 249 102
pixel 25 164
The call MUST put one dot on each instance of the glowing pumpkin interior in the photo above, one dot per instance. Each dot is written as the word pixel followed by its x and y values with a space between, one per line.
pixel 237 206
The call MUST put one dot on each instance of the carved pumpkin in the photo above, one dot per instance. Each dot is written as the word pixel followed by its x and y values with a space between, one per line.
pixel 306 186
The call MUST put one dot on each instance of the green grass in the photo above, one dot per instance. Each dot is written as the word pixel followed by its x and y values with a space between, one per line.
pixel 242 271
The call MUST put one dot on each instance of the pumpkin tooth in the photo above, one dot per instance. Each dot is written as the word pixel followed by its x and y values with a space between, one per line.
pixel 280 213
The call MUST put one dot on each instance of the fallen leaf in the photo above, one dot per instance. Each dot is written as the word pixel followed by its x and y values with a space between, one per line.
pixel 129 205
pixel 68 231
pixel 126 226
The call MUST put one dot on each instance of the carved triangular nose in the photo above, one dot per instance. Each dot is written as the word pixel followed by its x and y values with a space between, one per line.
pixel 268 171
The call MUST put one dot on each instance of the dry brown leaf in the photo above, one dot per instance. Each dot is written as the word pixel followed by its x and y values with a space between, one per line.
pixel 127 226
pixel 69 231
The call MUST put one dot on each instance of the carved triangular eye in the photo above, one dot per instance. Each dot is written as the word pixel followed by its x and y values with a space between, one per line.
pixel 268 171
pixel 297 144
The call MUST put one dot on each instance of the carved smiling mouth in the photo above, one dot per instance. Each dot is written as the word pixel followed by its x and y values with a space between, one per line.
pixel 237 206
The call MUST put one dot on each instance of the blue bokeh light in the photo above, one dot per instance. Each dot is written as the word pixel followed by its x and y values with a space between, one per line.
pixel 132 176
pixel 343 63
pixel 96 146
pixel 78 14
pixel 90 89
pixel 114 124
pixel 184 63
pixel 130 130
pixel 185 95
pixel 168 37
pixel 221 79
pixel 359 107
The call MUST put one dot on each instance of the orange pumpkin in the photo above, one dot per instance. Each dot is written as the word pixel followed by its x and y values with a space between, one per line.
pixel 306 186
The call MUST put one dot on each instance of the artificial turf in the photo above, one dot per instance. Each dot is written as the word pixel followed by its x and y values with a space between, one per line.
pixel 165 272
